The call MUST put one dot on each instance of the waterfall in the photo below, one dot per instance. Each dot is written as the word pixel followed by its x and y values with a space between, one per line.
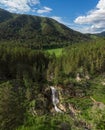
pixel 55 99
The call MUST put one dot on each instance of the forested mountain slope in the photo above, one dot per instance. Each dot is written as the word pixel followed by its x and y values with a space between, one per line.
pixel 5 15
pixel 36 31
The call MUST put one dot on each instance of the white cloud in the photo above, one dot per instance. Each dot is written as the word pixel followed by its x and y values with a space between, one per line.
pixel 44 10
pixel 61 20
pixel 94 21
pixel 101 4
pixel 19 6
pixel 57 18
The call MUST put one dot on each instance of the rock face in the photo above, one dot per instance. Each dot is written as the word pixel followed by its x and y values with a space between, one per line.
pixel 97 104
pixel 62 107
pixel 53 99
pixel 57 99
pixel 78 79
pixel 103 83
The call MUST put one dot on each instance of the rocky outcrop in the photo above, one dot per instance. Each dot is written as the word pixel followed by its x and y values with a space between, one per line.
pixel 97 104
pixel 78 79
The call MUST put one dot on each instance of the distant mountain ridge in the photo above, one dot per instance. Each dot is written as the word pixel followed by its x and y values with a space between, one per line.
pixel 36 31
pixel 101 34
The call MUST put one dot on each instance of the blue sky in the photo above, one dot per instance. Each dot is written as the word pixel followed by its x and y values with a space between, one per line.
pixel 87 16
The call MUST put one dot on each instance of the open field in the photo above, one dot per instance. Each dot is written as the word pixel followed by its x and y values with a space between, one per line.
pixel 57 51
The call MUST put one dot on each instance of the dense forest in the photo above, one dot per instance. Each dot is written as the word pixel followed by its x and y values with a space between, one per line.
pixel 25 95
pixel 83 58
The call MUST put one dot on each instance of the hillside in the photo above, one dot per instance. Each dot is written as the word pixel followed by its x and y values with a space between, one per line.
pixel 5 15
pixel 36 31
pixel 39 91
pixel 101 34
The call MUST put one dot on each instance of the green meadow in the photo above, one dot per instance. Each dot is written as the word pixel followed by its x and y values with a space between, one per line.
pixel 57 51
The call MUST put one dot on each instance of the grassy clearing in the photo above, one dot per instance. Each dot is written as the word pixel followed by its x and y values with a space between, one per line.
pixel 57 51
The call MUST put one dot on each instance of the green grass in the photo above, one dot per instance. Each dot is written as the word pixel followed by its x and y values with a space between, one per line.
pixel 57 52
pixel 98 89
pixel 47 122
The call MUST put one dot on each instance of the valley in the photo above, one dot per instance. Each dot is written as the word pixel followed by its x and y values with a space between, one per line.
pixel 51 77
